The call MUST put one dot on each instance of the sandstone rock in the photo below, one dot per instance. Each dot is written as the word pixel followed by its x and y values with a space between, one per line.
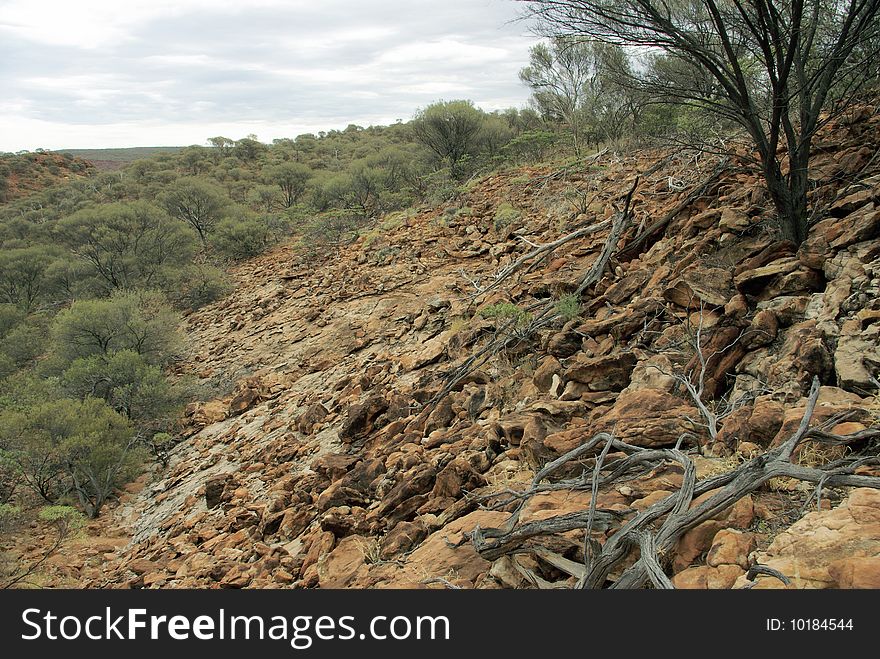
pixel 649 417
pixel 693 578
pixel 708 286
pixel 655 372
pixel 543 377
pixel 361 416
pixel 841 537
pixel 215 491
pixel 306 422
pixel 856 360
pixel 723 577
pixel 603 373
pixel 731 547
pixel 752 281
pixel 402 538
pixel 856 572
pixel 341 566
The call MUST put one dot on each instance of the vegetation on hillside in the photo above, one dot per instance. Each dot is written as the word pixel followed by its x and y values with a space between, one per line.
pixel 96 268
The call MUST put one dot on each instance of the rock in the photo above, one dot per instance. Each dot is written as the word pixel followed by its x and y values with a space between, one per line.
pixel 543 376
pixel 215 491
pixel 455 477
pixel 856 572
pixel 341 494
pixel 315 413
pixel 757 425
pixel 655 372
pixel 694 544
pixel 333 466
pixel 699 540
pixel 417 481
pixel 402 538
pixel 205 414
pixel 565 342
pixel 806 551
pixel 443 554
pixel 856 360
pixel 708 286
pixel 340 567
pixel 361 416
pixel 734 220
pixel 762 331
pixel 731 547
pixel 723 577
pixel 693 578
pixel 611 373
pixel 345 520
pixel 245 399
pixel 753 281
pixel 649 418
pixel 430 353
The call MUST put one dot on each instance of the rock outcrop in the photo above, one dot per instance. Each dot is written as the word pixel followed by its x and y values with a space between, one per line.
pixel 323 458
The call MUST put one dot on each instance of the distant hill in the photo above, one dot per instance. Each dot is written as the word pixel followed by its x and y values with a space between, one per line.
pixel 24 173
pixel 113 159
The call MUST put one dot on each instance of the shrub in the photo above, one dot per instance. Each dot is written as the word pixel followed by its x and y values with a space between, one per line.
pixel 139 321
pixel 505 215
pixel 568 307
pixel 237 240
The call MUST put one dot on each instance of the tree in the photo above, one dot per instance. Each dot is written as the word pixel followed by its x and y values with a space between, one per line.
pixel 135 321
pixel 23 279
pixel 197 202
pixel 292 178
pixel 61 446
pixel 223 145
pixel 774 67
pixel 559 75
pixel 128 244
pixel 450 129
pixel 128 384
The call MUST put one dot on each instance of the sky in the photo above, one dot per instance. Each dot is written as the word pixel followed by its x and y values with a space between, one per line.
pixel 120 73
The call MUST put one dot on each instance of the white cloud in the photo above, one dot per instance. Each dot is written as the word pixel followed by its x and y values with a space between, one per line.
pixel 138 72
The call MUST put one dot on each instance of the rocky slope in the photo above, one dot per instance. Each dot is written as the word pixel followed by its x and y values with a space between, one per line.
pixel 325 460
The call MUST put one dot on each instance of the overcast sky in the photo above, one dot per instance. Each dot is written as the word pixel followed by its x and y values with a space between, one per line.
pixel 114 73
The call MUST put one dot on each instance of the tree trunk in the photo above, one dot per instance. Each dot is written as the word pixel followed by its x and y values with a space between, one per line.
pixel 789 195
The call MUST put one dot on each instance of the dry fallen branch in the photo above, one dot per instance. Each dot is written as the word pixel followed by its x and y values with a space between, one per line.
pixel 637 245
pixel 657 529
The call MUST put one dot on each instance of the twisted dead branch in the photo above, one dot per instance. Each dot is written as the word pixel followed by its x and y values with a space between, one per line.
pixel 656 530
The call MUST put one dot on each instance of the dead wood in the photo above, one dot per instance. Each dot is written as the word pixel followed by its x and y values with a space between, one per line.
pixel 656 530
pixel 639 244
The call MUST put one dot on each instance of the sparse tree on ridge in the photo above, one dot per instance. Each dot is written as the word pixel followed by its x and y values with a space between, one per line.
pixel 775 67
pixel 450 129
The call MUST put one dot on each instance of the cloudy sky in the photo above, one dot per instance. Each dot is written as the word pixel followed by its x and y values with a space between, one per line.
pixel 113 73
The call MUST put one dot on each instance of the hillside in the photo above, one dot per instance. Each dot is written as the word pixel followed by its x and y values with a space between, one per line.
pixel 25 173
pixel 428 406
pixel 109 160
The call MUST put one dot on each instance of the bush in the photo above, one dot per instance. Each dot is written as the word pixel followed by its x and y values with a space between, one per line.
pixel 201 284
pixel 68 446
pixel 505 312
pixel 128 384
pixel 568 307
pixel 237 240
pixel 136 321
pixel 505 215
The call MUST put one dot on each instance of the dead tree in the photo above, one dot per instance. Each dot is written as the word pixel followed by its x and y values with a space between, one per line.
pixel 655 531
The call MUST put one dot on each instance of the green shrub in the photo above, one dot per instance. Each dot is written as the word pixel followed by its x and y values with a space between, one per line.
pixel 201 284
pixel 139 321
pixel 505 215
pixel 506 312
pixel 568 307
pixel 237 240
